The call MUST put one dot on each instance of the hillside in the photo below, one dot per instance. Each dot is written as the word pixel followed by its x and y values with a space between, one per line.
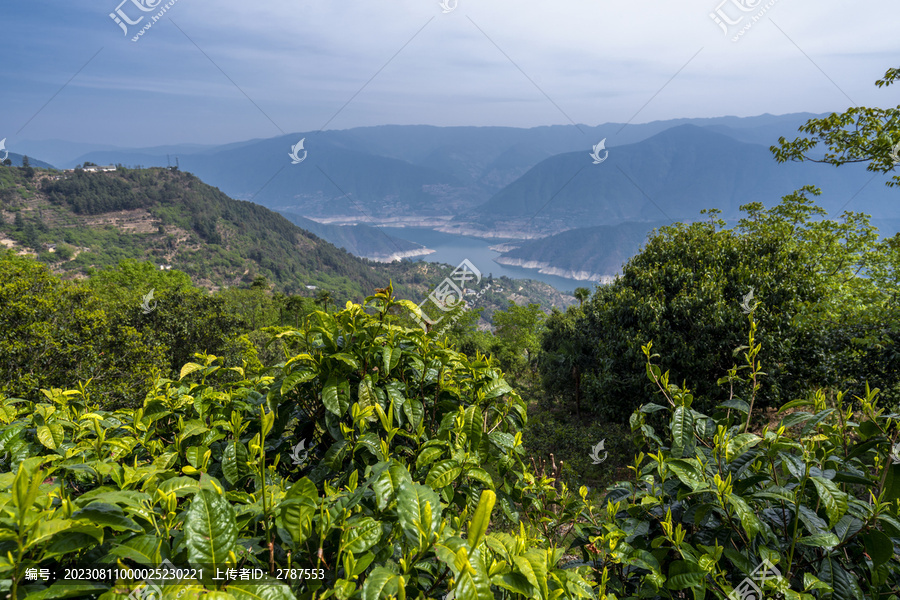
pixel 83 221
pixel 590 253
pixel 672 176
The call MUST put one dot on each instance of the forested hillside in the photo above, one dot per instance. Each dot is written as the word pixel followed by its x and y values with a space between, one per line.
pixel 78 222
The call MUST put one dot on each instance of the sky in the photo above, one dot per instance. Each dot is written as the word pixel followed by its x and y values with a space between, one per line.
pixel 218 72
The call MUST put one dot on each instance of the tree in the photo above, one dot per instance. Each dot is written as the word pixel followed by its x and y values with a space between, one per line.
pixel 27 169
pixel 323 299
pixel 859 135
pixel 685 290
pixel 7 162
pixel 54 334
pixel 518 329
pixel 581 294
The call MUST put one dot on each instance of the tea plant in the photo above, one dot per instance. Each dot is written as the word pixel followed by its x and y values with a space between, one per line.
pixel 383 460
pixel 817 497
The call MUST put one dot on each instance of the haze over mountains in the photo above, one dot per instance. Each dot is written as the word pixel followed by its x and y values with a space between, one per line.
pixel 509 183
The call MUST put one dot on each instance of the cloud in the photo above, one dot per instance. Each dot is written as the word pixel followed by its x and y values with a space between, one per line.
pixel 238 66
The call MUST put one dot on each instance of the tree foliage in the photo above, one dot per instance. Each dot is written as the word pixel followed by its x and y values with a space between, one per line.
pixel 858 135
pixel 826 286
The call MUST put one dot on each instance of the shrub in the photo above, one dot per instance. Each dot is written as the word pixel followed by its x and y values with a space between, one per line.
pixel 369 456
pixel 807 510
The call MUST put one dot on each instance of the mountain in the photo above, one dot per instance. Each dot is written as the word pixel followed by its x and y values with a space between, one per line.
pixel 361 240
pixel 671 176
pixel 78 222
pixel 411 174
pixel 17 161
pixel 589 254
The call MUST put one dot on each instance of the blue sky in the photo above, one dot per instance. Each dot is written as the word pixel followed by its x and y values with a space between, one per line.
pixel 211 73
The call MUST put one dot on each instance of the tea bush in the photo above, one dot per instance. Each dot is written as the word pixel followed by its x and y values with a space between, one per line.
pixel 384 464
pixel 807 510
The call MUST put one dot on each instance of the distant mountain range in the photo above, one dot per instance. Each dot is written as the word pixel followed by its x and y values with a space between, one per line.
pixel 17 159
pixel 673 176
pixel 502 182
pixel 400 174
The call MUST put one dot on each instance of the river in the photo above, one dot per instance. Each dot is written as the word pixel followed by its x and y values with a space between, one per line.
pixel 452 249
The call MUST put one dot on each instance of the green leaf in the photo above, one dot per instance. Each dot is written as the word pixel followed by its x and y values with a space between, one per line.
pixel 682 432
pixel 26 485
pixel 481 475
pixel 688 473
pixel 892 483
pixel 366 393
pixel 192 428
pixel 107 515
pixel 443 473
pixel 419 509
pixel 749 520
pixel 496 388
pixel 188 369
pixel 77 539
pixel 390 359
pixel 832 574
pixel 142 549
pixel 182 486
pixel 51 435
pixel 387 484
pixel 482 518
pixel 360 535
pixel 739 444
pixel 380 583
pixel 736 404
pixel 234 462
pixel 428 455
pixel 336 395
pixel 414 411
pixel 44 530
pixel 295 379
pixel 683 574
pixel 822 540
pixel 473 426
pixel 210 528
pixel 835 500
pixel 879 546
pixel 515 583
pixel 538 559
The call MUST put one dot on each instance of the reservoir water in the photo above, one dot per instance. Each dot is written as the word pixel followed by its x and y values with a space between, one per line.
pixel 452 249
